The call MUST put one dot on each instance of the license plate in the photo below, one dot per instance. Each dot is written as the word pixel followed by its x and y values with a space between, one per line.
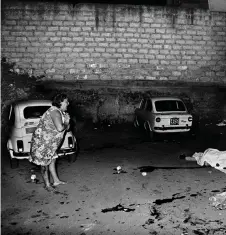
pixel 174 121
pixel 30 130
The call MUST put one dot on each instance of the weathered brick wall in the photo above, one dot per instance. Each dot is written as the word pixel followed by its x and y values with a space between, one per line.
pixel 88 41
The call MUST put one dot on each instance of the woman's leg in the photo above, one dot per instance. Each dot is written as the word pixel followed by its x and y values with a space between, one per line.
pixel 52 169
pixel 45 175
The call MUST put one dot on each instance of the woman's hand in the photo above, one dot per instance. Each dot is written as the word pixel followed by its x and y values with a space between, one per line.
pixel 58 122
pixel 66 118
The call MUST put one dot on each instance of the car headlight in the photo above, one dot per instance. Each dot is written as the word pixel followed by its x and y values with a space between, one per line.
pixel 70 142
pixel 20 145
pixel 158 119
pixel 189 119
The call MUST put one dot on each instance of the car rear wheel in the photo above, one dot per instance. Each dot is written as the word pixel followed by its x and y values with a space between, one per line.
pixel 149 132
pixel 14 163
pixel 73 157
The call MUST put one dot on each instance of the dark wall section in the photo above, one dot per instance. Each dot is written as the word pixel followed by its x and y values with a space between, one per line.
pixel 115 101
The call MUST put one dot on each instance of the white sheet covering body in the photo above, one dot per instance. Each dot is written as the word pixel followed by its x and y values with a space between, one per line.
pixel 213 157
pixel 216 159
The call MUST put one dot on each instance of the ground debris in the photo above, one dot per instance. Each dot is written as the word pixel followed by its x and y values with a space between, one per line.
pixel 119 207
pixel 219 201
pixel 167 200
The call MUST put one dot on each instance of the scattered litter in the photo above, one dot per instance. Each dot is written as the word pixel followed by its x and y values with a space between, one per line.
pixel 144 173
pixel 87 227
pixel 219 201
pixel 119 170
pixel 33 178
pixel 223 123
pixel 119 207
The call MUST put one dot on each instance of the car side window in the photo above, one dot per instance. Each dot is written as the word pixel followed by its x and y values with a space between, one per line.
pixel 149 105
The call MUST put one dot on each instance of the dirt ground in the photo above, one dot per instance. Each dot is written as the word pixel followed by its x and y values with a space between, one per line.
pixel 173 198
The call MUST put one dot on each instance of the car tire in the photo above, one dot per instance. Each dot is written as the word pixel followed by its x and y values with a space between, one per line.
pixel 149 132
pixel 73 157
pixel 136 123
pixel 14 163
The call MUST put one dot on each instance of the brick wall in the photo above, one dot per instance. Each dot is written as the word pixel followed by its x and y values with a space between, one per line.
pixel 97 41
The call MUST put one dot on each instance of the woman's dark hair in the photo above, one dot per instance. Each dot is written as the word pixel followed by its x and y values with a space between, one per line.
pixel 57 99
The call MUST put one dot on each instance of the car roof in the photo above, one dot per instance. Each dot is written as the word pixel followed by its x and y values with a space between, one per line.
pixel 164 98
pixel 25 103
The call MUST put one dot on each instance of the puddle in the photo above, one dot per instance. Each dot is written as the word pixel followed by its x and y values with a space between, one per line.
pixel 167 200
pixel 119 207
pixel 215 191
pixel 152 168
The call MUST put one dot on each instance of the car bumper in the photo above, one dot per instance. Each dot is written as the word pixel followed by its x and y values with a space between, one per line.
pixel 172 129
pixel 26 155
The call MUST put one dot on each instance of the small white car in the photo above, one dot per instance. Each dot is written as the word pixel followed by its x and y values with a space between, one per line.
pixel 24 116
pixel 162 115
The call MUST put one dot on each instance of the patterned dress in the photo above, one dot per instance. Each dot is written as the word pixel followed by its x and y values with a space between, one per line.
pixel 45 140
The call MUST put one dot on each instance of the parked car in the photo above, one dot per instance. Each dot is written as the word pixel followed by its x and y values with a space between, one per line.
pixel 162 115
pixel 24 116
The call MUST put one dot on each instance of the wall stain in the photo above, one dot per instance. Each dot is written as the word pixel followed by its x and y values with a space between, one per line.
pixel 174 16
pixel 141 11
pixel 97 19
pixel 190 15
pixel 113 17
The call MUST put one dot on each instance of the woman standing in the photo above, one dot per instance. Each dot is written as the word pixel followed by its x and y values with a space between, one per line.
pixel 47 138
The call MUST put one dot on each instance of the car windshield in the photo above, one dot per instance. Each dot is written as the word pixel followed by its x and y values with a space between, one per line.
pixel 34 111
pixel 169 105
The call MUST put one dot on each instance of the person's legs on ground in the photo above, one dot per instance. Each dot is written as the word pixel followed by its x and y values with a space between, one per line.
pixel 52 169
pixel 45 175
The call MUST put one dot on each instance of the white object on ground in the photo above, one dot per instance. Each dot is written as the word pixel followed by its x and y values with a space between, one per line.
pixel 144 173
pixel 216 159
pixel 119 168
pixel 33 177
pixel 213 157
pixel 87 227
pixel 219 200
pixel 223 123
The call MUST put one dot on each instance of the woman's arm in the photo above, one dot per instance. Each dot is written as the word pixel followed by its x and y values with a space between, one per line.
pixel 57 120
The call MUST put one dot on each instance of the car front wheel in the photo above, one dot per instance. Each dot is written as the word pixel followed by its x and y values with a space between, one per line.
pixel 149 132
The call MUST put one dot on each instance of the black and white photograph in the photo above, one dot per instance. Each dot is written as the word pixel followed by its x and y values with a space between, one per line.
pixel 113 117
